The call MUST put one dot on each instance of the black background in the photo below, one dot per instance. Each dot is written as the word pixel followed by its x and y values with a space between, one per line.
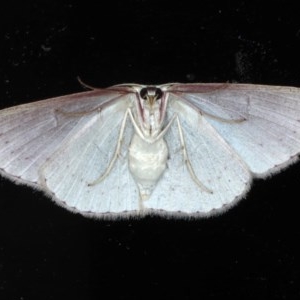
pixel 47 252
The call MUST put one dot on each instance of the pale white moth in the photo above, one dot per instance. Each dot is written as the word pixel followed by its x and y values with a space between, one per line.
pixel 130 150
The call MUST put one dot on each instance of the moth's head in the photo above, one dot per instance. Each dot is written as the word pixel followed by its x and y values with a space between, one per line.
pixel 151 95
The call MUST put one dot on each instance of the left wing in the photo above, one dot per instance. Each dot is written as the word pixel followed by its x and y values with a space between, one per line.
pixel 60 145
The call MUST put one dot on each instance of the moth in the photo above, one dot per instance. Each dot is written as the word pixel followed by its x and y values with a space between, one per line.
pixel 182 150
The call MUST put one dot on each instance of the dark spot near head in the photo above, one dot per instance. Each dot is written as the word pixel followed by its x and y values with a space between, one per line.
pixel 143 93
pixel 151 91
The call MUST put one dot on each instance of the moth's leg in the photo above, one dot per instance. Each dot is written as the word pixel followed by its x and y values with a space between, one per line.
pixel 164 131
pixel 116 154
pixel 187 160
pixel 135 125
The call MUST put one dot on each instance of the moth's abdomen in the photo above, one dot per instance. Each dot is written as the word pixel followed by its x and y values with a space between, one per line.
pixel 147 162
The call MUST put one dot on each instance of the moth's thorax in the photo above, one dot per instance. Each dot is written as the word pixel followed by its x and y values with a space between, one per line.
pixel 151 121
pixel 147 162
pixel 150 110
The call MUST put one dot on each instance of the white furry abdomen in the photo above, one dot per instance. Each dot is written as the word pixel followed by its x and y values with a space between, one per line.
pixel 147 162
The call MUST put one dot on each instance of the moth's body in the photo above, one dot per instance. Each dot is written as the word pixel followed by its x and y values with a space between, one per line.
pixel 147 162
pixel 148 152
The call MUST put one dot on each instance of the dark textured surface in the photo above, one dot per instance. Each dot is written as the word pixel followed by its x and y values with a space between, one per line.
pixel 250 252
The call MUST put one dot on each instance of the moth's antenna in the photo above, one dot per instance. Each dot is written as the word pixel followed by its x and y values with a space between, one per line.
pixel 89 87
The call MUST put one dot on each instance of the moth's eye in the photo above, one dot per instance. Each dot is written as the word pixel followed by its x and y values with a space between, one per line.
pixel 158 94
pixel 144 93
